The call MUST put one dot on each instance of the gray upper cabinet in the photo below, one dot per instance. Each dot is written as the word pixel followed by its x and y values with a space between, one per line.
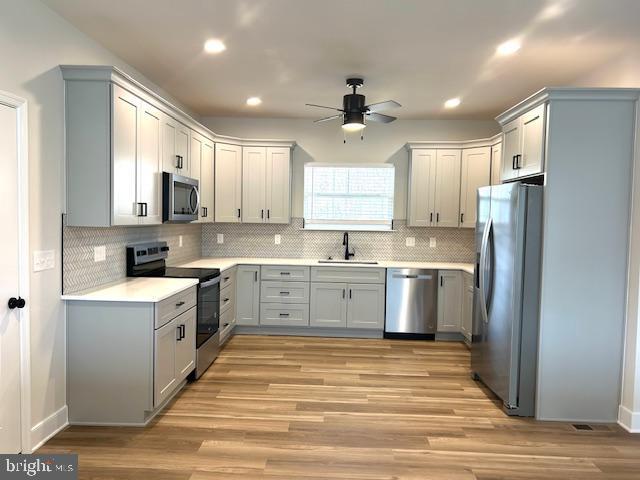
pixel 228 183
pixel 248 295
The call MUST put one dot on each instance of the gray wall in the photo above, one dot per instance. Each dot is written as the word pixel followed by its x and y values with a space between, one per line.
pixel 324 143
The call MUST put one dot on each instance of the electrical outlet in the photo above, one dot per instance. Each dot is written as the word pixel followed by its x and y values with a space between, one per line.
pixel 179 240
pixel 410 241
pixel 277 239
pixel 99 253
pixel 432 242
pixel 220 238
pixel 44 260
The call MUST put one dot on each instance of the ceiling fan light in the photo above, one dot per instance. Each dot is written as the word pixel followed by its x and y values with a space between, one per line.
pixel 353 126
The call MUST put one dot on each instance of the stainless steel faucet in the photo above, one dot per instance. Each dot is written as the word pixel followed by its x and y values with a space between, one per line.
pixel 345 241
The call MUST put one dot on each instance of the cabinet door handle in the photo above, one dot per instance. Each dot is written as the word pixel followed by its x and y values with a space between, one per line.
pixel 181 332
pixel 238 213
pixel 350 294
pixel 431 217
pixel 255 276
pixel 518 164
pixel 462 218
pixel 268 213
pixel 262 213
pixel 140 210
pixel 438 217
pixel 441 281
pixel 344 293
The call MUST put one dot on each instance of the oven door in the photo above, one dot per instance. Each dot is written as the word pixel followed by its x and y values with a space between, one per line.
pixel 208 310
pixel 180 198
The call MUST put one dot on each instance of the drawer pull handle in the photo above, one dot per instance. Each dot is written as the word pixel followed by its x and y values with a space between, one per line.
pixel 285 293
pixel 285 273
pixel 179 304
pixel 226 279
pixel 225 325
pixel 284 314
pixel 226 300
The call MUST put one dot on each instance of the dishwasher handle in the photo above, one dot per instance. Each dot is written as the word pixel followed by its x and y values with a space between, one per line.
pixel 412 277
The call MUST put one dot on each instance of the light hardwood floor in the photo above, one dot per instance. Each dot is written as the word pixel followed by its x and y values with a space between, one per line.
pixel 321 408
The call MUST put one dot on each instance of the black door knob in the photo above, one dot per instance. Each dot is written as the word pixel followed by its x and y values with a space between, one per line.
pixel 16 302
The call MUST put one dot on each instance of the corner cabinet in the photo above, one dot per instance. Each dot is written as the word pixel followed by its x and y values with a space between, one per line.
pixel 523 144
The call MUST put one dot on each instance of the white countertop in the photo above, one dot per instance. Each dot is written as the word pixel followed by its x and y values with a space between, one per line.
pixel 145 290
pixel 226 263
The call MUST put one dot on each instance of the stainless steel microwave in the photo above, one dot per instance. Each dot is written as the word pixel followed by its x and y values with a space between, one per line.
pixel 180 198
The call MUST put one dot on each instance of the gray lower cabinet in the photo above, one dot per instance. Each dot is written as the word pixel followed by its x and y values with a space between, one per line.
pixel 284 314
pixel 449 301
pixel 284 292
pixel 248 295
pixel 466 327
pixel 365 308
pixel 328 305
pixel 125 360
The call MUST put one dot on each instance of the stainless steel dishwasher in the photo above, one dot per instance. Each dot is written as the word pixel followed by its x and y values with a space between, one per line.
pixel 412 303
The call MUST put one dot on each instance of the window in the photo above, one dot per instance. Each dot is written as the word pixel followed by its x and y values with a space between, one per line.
pixel 354 197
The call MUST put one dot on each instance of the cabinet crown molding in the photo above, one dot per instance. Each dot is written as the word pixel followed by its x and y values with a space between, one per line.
pixel 109 73
pixel 566 93
pixel 453 144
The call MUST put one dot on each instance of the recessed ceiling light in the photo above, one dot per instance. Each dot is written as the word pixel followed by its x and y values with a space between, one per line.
pixel 509 47
pixel 253 101
pixel 213 45
pixel 452 103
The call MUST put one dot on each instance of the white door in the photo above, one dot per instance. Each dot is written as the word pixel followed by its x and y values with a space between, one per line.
pixel 254 171
pixel 510 148
pixel 195 155
pixel 278 184
pixel 532 153
pixel 183 140
pixel 476 170
pixel 447 199
pixel 125 131
pixel 9 280
pixel 496 163
pixel 206 182
pixel 228 183
pixel 185 344
pixel 149 167
pixel 170 160
pixel 366 306
pixel 422 180
pixel 164 365
pixel 328 305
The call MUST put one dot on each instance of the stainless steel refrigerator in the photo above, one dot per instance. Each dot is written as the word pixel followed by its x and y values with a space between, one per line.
pixel 507 293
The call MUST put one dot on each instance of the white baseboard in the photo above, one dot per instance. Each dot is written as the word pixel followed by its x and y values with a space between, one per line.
pixel 48 427
pixel 629 420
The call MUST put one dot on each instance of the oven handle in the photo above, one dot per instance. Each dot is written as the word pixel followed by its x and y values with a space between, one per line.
pixel 210 282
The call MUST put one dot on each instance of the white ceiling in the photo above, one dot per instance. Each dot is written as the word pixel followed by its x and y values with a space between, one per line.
pixel 418 52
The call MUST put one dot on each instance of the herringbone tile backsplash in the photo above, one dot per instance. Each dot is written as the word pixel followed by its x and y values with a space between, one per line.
pixel 80 272
pixel 257 240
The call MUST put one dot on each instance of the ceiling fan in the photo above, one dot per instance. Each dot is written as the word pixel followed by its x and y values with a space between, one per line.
pixel 354 112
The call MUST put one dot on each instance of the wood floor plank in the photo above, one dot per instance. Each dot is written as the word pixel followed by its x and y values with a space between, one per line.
pixel 309 408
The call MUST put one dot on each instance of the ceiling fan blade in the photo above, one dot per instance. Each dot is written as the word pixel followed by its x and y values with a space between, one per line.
pixel 379 117
pixel 322 106
pixel 332 117
pixel 376 107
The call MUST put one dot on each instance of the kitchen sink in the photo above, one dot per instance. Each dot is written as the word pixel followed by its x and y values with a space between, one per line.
pixel 353 262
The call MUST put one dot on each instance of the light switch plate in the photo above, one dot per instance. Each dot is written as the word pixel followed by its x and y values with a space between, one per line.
pixel 220 238
pixel 179 240
pixel 277 239
pixel 44 260
pixel 410 241
pixel 432 242
pixel 99 253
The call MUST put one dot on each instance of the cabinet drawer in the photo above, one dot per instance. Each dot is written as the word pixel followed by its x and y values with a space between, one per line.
pixel 227 278
pixel 284 314
pixel 284 273
pixel 348 274
pixel 284 292
pixel 227 297
pixel 171 307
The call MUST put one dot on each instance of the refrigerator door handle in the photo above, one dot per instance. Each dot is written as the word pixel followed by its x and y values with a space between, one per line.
pixel 483 263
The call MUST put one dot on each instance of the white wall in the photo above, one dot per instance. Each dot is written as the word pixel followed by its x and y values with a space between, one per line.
pixel 324 143
pixel 624 72
pixel 33 42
